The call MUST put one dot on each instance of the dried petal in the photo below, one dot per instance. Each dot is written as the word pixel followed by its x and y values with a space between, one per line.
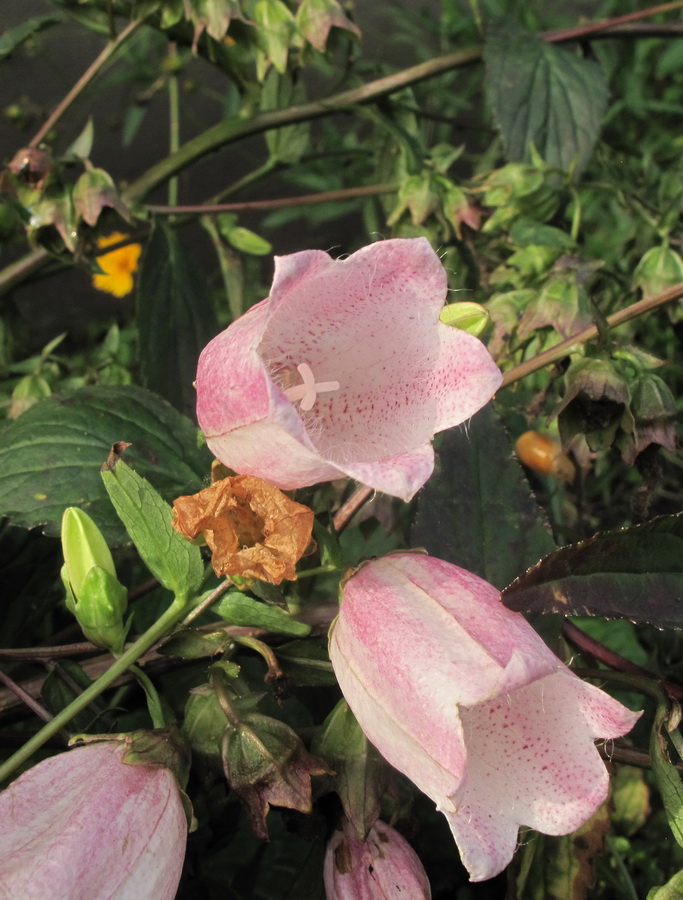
pixel 252 528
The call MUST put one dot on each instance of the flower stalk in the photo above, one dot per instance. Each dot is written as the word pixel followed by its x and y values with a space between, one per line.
pixel 164 624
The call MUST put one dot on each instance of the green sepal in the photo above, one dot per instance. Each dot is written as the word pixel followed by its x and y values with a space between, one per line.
pixel 99 608
pixel 359 768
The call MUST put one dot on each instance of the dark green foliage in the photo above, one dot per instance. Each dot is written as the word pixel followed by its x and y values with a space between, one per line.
pixel 547 171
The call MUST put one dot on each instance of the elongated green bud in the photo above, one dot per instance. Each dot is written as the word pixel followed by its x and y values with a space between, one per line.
pixel 93 593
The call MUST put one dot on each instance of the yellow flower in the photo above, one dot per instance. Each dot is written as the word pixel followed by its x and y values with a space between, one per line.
pixel 118 266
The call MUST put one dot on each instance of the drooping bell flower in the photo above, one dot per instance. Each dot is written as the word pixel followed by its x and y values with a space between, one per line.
pixel 344 370
pixel 381 867
pixel 84 825
pixel 462 696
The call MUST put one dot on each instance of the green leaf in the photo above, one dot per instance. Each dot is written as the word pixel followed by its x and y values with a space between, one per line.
pixel 15 37
pixel 630 573
pixel 214 15
pixel 288 144
pixel 82 146
pixel 315 18
pixel 306 663
pixel 50 457
pixel 666 774
pixel 544 97
pixel 672 890
pixel 360 771
pixel 64 683
pixel 276 29
pixel 477 511
pixel 239 609
pixel 173 560
pixel 175 317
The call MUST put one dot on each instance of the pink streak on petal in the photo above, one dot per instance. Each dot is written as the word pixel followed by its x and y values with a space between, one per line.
pixel 269 450
pixel 465 377
pixel 463 697
pixel 233 386
pixel 401 476
pixel 84 826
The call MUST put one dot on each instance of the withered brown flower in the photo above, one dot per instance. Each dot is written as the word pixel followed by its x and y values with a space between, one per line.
pixel 252 528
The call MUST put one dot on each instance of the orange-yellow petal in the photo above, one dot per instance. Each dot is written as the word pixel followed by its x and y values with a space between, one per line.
pixel 118 267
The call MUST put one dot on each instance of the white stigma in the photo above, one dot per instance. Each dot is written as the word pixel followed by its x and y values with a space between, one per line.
pixel 309 390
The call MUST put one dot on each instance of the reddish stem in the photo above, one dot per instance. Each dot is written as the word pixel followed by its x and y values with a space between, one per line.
pixel 608 657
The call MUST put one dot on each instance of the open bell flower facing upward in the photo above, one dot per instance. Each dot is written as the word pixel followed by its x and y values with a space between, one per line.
pixel 462 696
pixel 381 867
pixel 83 825
pixel 344 370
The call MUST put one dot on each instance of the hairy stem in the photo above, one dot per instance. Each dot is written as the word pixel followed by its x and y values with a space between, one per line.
pixel 586 334
pixel 86 78
pixel 234 129
pixel 614 660
pixel 368 190
pixel 165 622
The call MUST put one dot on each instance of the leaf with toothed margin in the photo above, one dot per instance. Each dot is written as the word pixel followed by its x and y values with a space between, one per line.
pixel 477 510
pixel 630 573
pixel 50 457
pixel 543 97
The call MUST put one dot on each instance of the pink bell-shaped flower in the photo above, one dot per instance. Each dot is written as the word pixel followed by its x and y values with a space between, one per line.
pixel 345 369
pixel 83 825
pixel 462 696
pixel 381 867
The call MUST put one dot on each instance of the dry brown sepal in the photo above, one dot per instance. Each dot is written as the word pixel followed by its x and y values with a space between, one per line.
pixel 252 528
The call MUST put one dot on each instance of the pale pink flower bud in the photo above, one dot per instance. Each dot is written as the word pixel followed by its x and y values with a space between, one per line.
pixel 344 370
pixel 85 826
pixel 462 696
pixel 382 866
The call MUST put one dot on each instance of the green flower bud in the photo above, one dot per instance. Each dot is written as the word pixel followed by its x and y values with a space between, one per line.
pixel 93 593
pixel 659 269
pixel 466 315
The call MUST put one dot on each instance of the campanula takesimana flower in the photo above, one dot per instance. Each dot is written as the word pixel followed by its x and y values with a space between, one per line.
pixel 382 866
pixel 344 370
pixel 463 696
pixel 83 825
